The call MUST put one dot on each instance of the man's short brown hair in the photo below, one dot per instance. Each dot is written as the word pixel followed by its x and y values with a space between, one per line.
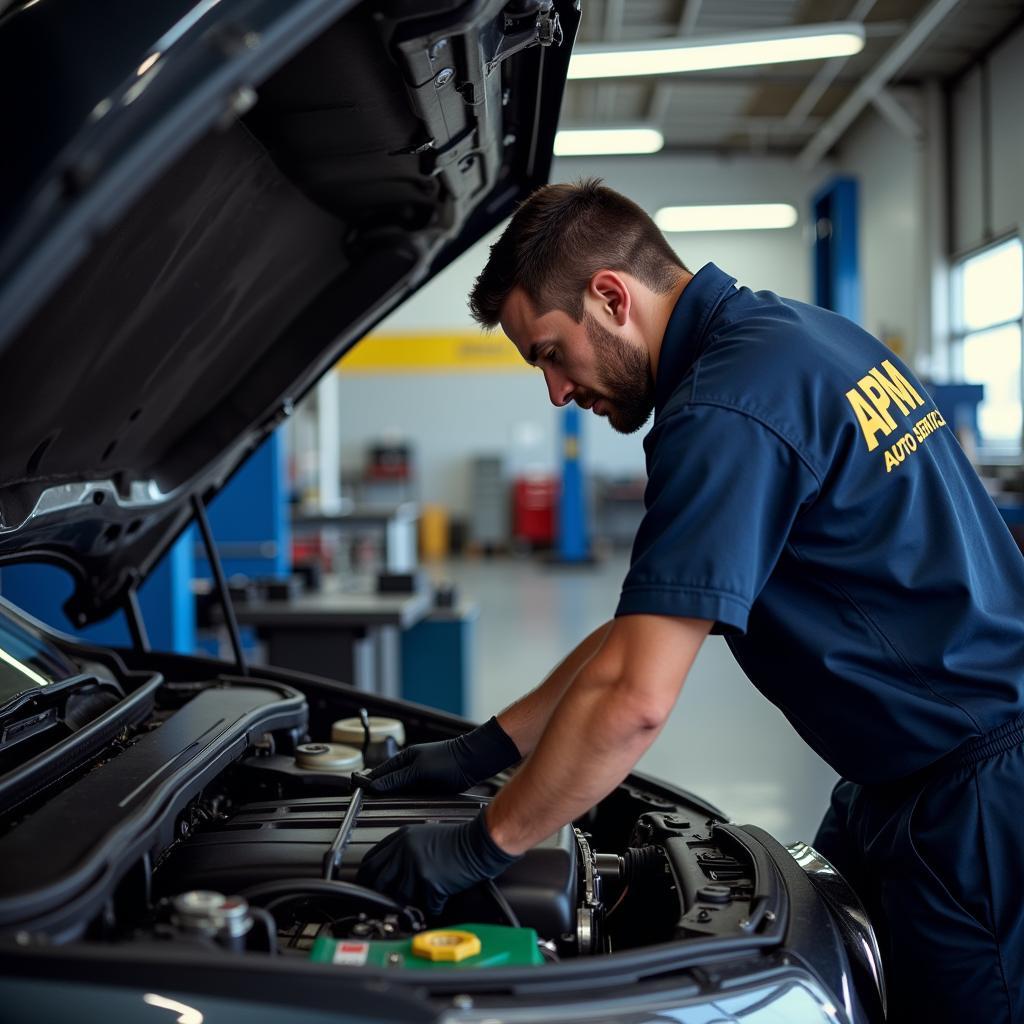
pixel 559 238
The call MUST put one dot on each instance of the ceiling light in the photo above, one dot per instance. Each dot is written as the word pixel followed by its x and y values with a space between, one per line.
pixel 734 217
pixel 607 141
pixel 670 57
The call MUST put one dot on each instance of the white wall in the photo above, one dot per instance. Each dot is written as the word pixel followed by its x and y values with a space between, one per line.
pixel 967 215
pixel 1006 70
pixel 452 417
pixel 980 212
pixel 890 171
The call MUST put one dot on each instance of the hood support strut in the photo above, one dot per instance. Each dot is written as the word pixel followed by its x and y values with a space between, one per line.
pixel 136 623
pixel 222 587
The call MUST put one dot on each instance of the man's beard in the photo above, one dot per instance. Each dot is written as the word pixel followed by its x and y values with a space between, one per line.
pixel 625 377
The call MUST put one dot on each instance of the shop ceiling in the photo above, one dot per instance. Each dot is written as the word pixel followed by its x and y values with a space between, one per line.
pixel 794 109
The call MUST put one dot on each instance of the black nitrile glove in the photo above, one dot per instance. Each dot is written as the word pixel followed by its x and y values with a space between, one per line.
pixel 448 766
pixel 422 865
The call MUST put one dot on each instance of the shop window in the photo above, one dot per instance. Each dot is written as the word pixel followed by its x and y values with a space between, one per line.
pixel 988 298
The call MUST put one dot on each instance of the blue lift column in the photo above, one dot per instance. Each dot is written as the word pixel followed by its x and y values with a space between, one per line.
pixel 249 518
pixel 250 525
pixel 836 264
pixel 573 546
pixel 165 600
pixel 251 529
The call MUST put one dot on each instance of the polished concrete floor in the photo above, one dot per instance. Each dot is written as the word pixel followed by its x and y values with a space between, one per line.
pixel 723 741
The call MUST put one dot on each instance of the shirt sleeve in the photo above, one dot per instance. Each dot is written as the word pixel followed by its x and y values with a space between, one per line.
pixel 722 495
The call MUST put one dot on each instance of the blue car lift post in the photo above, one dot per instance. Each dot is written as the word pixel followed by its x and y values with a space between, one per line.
pixel 836 263
pixel 165 600
pixel 249 518
pixel 253 535
pixel 572 547
pixel 160 613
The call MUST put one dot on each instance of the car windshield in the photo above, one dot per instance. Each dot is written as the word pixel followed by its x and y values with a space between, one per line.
pixel 27 661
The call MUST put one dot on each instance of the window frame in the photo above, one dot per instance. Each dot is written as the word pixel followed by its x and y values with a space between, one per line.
pixel 959 332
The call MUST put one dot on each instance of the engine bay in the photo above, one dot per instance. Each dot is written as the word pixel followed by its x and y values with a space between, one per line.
pixel 296 857
pixel 273 852
pixel 227 819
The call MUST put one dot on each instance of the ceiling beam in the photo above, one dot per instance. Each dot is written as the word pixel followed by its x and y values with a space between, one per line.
pixel 614 17
pixel 880 29
pixel 898 116
pixel 688 17
pixel 825 75
pixel 876 80
pixel 661 93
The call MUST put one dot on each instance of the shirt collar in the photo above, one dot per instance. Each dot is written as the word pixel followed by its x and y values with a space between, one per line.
pixel 687 326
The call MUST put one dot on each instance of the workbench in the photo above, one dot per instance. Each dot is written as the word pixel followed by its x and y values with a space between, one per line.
pixel 353 637
pixel 397 524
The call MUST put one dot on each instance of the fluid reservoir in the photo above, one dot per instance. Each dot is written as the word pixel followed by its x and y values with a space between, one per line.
pixel 225 919
pixel 328 757
pixel 458 947
pixel 386 736
pixel 350 730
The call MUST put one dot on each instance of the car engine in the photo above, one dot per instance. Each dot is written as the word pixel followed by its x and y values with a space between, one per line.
pixel 263 847
pixel 297 857
pixel 223 812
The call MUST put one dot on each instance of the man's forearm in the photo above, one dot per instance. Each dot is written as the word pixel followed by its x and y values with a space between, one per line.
pixel 526 719
pixel 595 736
pixel 610 714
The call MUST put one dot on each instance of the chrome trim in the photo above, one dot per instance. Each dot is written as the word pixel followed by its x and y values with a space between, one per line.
pixel 144 495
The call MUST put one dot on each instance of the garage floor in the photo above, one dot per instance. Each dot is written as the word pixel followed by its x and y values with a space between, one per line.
pixel 724 740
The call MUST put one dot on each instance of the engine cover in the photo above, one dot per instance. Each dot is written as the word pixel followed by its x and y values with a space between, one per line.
pixel 280 839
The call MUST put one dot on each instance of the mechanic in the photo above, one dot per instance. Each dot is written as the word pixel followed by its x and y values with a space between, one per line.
pixel 806 500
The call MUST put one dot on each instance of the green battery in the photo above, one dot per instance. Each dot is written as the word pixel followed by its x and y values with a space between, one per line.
pixel 457 946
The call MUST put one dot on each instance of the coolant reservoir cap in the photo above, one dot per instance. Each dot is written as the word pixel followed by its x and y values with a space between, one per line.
pixel 205 910
pixel 715 894
pixel 328 757
pixel 350 730
pixel 445 945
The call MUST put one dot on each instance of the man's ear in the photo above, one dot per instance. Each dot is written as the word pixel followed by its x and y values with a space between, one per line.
pixel 611 292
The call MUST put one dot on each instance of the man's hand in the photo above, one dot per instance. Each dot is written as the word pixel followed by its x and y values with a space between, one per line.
pixel 448 766
pixel 423 865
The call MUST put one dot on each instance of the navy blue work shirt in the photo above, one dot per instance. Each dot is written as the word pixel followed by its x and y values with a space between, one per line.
pixel 805 494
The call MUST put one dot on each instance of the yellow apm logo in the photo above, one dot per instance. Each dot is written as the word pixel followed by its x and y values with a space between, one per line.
pixel 878 390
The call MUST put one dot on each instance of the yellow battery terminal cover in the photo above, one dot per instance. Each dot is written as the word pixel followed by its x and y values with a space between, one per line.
pixel 444 945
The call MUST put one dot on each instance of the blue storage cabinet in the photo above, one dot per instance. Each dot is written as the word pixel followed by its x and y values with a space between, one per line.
pixel 438 657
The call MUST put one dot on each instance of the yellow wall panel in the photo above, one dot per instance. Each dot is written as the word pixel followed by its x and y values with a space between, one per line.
pixel 434 352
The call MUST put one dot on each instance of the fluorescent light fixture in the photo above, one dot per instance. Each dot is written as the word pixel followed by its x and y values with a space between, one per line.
pixel 734 217
pixel 607 141
pixel 671 57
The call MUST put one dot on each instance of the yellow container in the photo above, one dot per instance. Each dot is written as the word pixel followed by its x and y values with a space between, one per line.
pixel 433 533
pixel 446 946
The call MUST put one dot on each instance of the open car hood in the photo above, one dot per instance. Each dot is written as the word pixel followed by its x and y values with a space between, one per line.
pixel 208 204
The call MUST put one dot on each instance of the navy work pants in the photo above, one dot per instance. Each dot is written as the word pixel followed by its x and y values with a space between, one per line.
pixel 938 860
